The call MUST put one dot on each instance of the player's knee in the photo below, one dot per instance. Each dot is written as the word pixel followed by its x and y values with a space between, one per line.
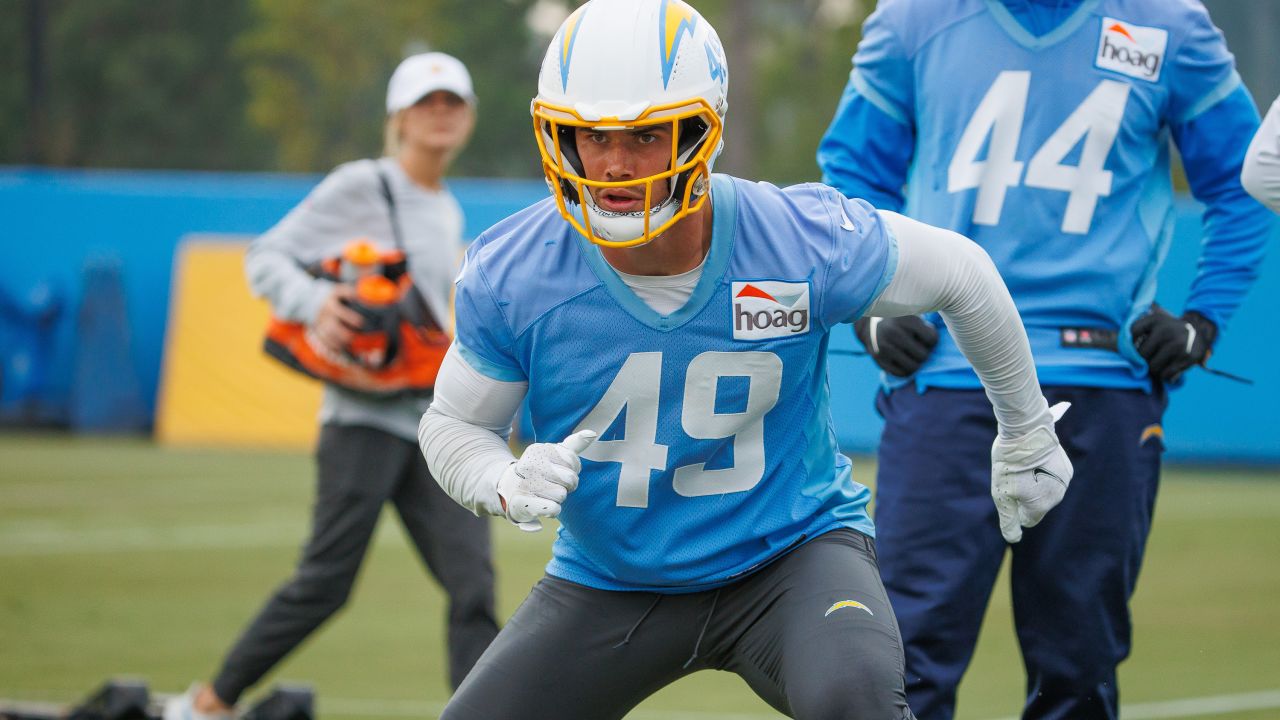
pixel 874 690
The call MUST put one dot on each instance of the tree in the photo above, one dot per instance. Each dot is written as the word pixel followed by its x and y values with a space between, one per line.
pixel 137 85
pixel 300 84
pixel 317 71
pixel 788 63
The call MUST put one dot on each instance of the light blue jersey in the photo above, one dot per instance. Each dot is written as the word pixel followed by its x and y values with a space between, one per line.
pixel 1051 151
pixel 717 451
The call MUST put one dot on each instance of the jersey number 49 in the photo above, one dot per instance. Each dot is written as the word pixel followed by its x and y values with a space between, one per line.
pixel 636 389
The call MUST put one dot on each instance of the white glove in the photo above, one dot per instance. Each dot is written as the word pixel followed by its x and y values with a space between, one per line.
pixel 1029 476
pixel 535 485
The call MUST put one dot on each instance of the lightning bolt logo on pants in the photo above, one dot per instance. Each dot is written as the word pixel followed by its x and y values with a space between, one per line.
pixel 847 604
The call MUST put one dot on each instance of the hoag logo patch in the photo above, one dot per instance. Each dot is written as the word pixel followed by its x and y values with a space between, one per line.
pixel 1132 50
pixel 765 309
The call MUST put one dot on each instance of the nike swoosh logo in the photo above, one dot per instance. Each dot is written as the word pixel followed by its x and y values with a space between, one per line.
pixel 845 223
pixel 1041 471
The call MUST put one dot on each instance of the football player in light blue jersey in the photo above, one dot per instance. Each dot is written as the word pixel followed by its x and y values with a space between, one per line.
pixel 1041 130
pixel 669 329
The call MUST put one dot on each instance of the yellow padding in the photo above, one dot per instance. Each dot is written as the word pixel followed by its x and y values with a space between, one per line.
pixel 217 387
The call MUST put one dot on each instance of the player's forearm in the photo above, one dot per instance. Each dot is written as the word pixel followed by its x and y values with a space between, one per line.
pixel 466 460
pixel 941 271
pixel 463 433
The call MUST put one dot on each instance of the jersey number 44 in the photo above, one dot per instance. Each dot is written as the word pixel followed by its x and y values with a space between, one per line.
pixel 1000 116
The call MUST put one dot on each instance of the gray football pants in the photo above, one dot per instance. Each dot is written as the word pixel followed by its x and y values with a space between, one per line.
pixel 360 469
pixel 572 652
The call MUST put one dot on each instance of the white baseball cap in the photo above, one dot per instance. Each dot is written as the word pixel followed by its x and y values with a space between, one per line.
pixel 420 75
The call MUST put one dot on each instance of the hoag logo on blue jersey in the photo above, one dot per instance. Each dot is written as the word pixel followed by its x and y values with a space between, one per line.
pixel 1130 49
pixel 764 309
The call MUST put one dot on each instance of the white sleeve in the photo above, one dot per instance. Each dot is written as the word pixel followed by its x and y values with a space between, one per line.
pixel 1261 174
pixel 939 270
pixel 463 434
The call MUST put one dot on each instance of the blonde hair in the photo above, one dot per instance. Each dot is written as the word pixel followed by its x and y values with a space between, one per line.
pixel 391 134
pixel 393 129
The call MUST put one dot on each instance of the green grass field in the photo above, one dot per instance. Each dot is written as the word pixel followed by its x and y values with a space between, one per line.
pixel 121 558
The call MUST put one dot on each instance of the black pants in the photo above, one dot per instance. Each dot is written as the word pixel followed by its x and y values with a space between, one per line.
pixel 360 469
pixel 812 634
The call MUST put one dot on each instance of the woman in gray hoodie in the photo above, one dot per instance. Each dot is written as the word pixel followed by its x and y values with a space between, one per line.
pixel 367 453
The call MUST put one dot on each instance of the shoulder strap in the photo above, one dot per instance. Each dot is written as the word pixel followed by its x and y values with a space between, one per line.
pixel 391 207
pixel 418 313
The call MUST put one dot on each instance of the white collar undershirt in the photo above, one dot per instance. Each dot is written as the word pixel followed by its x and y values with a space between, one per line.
pixel 664 293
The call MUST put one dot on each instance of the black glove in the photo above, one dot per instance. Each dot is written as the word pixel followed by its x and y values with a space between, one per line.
pixel 899 345
pixel 1170 345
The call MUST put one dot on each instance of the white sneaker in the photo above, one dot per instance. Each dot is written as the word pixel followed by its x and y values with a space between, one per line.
pixel 183 707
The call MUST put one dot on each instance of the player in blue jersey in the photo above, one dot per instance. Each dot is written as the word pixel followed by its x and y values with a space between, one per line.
pixel 1041 130
pixel 669 329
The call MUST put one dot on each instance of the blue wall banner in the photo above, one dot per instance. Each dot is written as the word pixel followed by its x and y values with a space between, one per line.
pixel 57 223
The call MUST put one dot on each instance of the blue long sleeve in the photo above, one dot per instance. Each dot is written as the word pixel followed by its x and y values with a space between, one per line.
pixel 866 153
pixel 867 150
pixel 1236 226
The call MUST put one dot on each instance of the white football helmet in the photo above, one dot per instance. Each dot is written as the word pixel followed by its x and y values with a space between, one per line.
pixel 627 64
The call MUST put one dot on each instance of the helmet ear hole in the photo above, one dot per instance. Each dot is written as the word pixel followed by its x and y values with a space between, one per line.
pixel 568 140
pixel 693 133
